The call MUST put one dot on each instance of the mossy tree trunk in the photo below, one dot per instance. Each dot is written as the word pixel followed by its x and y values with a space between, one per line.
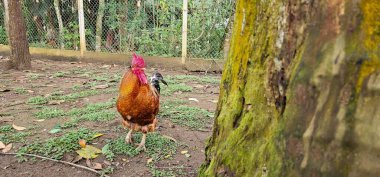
pixel 299 92
pixel 20 56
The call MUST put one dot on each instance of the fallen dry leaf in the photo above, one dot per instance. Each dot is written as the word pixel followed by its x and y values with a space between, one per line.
pixel 55 102
pixel 19 128
pixel 89 152
pixel 82 143
pixel 97 135
pixel 2 145
pixel 187 155
pixel 77 159
pixel 101 86
pixel 107 162
pixel 170 138
pixel 39 120
pixel 193 99
pixel 95 166
pixel 7 148
pixel 184 152
pixel 150 160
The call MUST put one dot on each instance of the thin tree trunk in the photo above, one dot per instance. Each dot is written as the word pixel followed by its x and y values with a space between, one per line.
pixel 123 26
pixel 6 17
pixel 60 23
pixel 99 26
pixel 20 57
pixel 299 92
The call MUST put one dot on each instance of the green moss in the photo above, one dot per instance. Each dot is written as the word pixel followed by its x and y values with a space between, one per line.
pixel 249 133
pixel 371 27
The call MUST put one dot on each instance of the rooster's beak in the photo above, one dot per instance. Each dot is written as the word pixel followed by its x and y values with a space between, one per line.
pixel 164 82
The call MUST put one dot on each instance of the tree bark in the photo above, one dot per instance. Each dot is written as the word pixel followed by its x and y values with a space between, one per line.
pixel 123 27
pixel 99 26
pixel 60 23
pixel 20 57
pixel 299 92
pixel 6 17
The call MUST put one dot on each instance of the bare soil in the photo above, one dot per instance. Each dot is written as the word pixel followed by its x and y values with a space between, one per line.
pixel 43 80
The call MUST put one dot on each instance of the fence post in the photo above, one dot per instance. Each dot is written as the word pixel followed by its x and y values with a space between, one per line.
pixel 81 27
pixel 184 32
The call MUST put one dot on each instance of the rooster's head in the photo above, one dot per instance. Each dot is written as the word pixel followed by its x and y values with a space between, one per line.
pixel 138 67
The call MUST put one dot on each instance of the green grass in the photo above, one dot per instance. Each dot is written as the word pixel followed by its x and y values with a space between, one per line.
pixel 205 79
pixel 91 112
pixel 11 137
pixel 20 90
pixel 77 87
pixel 175 171
pixel 33 76
pixel 39 100
pixel 56 147
pixel 101 78
pixel 6 129
pixel 192 117
pixel 49 112
pixel 158 147
pixel 60 74
pixel 171 88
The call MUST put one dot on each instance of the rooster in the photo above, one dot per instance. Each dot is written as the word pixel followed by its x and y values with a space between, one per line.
pixel 139 101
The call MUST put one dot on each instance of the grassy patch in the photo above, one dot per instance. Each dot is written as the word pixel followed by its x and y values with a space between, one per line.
pixel 39 100
pixel 12 137
pixel 100 78
pixel 171 88
pixel 6 128
pixel 91 112
pixel 157 172
pixel 33 76
pixel 49 112
pixel 56 147
pixel 192 117
pixel 189 78
pixel 20 90
pixel 158 147
pixel 77 87
pixel 60 74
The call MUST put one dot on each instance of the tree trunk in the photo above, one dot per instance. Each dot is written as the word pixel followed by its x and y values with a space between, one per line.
pixel 99 26
pixel 60 23
pixel 6 17
pixel 123 26
pixel 299 92
pixel 20 57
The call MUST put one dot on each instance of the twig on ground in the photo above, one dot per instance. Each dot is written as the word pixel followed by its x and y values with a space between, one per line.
pixel 60 161
pixel 171 167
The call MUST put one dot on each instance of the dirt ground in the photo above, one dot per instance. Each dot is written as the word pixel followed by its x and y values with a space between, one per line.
pixel 42 100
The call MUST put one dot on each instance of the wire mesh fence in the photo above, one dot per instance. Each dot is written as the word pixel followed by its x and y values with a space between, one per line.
pixel 148 27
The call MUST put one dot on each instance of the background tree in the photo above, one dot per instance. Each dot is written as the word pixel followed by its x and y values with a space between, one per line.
pixel 60 23
pixel 299 92
pixel 20 57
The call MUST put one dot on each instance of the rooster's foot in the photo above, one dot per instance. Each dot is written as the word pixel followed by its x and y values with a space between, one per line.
pixel 141 146
pixel 129 138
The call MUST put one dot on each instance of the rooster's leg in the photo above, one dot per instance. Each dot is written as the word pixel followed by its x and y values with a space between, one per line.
pixel 142 143
pixel 128 138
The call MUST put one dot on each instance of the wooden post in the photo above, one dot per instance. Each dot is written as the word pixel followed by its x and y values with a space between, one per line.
pixel 184 32
pixel 81 27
